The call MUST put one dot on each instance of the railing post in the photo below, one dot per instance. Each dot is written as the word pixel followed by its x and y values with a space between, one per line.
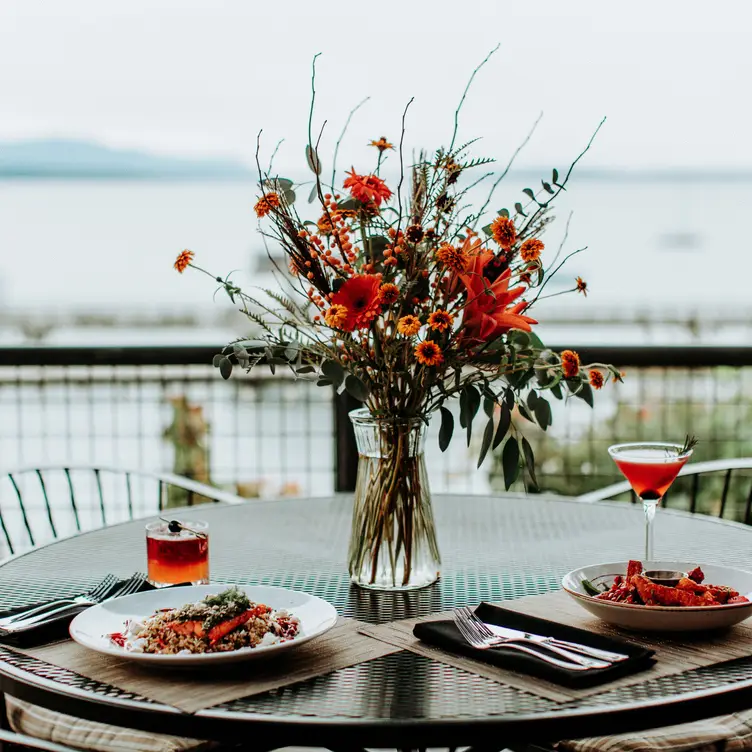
pixel 345 449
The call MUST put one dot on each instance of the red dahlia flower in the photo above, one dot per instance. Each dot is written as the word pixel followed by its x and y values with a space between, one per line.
pixel 360 295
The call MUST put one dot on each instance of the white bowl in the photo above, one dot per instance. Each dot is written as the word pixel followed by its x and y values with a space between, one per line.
pixel 662 618
pixel 92 627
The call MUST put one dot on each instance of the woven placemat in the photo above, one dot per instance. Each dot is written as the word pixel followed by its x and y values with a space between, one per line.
pixel 190 691
pixel 673 655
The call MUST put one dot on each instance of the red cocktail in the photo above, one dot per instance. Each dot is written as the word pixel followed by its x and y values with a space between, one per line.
pixel 650 468
pixel 177 552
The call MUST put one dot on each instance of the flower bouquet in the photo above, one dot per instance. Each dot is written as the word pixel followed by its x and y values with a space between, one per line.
pixel 410 300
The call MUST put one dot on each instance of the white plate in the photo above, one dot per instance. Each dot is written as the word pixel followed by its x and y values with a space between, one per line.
pixel 91 627
pixel 662 618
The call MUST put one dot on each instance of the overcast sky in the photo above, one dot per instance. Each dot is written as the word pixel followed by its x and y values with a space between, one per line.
pixel 200 77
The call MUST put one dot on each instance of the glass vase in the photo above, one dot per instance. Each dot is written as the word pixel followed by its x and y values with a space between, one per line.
pixel 393 542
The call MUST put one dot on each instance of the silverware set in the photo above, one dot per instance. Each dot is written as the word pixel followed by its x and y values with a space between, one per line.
pixel 106 590
pixel 562 653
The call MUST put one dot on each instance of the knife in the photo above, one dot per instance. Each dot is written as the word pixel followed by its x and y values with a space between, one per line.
pixel 516 634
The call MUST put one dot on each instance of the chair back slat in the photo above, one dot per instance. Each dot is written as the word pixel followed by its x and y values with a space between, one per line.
pixel 8 542
pixel 724 494
pixel 47 506
pixel 74 506
pixel 748 507
pixel 101 495
pixel 130 494
pixel 23 509
pixel 694 493
pixel 160 499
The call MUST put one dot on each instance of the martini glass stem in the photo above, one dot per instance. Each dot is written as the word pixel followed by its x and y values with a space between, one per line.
pixel 649 506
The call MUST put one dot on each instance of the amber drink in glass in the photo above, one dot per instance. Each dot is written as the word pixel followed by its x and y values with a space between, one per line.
pixel 177 552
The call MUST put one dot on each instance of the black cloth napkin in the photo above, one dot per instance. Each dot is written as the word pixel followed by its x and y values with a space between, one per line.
pixel 54 630
pixel 445 635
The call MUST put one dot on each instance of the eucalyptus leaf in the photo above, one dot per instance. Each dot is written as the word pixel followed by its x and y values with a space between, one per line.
pixel 469 404
pixel 305 369
pixel 532 399
pixel 510 462
pixel 314 163
pixel 486 443
pixel 312 197
pixel 518 208
pixel 529 193
pixel 554 176
pixel 547 187
pixel 217 359
pixel 447 428
pixel 333 371
pixel 585 393
pixel 503 213
pixel 509 398
pixel 225 368
pixel 289 197
pixel 488 406
pixel 323 382
pixel 524 412
pixel 487 230
pixel 556 391
pixel 356 388
pixel 542 412
pixel 505 420
pixel 278 184
pixel 527 452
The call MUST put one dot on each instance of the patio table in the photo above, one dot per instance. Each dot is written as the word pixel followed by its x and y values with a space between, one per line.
pixel 493 548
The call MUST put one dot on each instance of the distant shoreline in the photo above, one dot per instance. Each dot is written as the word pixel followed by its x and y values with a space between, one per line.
pixel 595 175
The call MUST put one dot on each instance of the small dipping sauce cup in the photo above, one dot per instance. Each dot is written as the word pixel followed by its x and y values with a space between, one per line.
pixel 177 551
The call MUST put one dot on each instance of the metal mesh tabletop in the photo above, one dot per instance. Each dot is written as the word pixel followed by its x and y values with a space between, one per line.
pixel 492 549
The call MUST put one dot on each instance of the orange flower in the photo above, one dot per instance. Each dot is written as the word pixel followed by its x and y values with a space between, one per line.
pixel 429 354
pixel 336 316
pixel 408 325
pixel 504 232
pixel 389 293
pixel 570 363
pixel 531 249
pixel 596 379
pixel 453 258
pixel 488 313
pixel 440 320
pixel 325 225
pixel 367 188
pixel 182 262
pixel 581 286
pixel 360 296
pixel 266 203
pixel 382 144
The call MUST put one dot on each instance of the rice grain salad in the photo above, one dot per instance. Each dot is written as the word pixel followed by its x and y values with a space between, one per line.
pixel 217 624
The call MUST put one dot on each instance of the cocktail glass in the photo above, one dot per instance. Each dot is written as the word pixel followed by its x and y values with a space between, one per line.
pixel 177 552
pixel 650 467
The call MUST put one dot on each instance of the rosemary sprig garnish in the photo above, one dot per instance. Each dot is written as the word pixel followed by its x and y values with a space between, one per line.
pixel 690 442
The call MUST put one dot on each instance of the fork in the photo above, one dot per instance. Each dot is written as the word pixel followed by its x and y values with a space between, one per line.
pixel 88 599
pixel 467 623
pixel 131 585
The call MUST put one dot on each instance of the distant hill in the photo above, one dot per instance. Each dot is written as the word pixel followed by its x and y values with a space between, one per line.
pixel 59 158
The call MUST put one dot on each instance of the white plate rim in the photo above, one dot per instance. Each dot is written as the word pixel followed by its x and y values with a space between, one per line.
pixel 118 652
pixel 643 608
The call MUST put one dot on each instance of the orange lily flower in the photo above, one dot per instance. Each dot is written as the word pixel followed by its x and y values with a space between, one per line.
pixel 489 311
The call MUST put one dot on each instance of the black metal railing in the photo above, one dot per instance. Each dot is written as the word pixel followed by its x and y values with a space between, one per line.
pixel 166 408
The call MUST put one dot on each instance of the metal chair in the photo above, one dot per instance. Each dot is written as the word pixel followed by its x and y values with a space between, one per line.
pixel 725 472
pixel 40 504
